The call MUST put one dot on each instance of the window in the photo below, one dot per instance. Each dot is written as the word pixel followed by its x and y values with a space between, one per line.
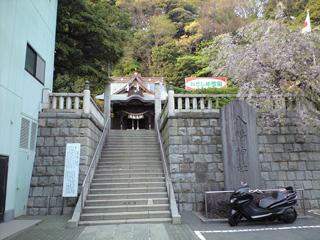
pixel 35 65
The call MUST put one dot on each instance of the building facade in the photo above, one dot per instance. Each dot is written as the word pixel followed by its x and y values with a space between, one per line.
pixel 132 101
pixel 27 43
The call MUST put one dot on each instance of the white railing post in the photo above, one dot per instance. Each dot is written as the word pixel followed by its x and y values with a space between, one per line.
pixel 202 103
pixel 76 102
pixel 46 98
pixel 209 103
pixel 179 103
pixel 187 103
pixel 170 99
pixel 54 102
pixel 61 102
pixel 194 103
pixel 69 103
pixel 86 98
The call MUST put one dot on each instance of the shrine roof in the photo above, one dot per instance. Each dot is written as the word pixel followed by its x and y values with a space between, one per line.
pixel 119 87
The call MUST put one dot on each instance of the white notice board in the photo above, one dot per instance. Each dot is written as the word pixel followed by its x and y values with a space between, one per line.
pixel 71 170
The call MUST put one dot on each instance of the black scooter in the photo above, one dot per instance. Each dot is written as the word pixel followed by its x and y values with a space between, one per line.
pixel 279 206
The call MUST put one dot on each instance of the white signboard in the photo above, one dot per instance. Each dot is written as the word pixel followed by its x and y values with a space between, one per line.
pixel 71 170
pixel 205 82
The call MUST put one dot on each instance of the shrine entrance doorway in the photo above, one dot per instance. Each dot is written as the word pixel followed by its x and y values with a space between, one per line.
pixel 133 115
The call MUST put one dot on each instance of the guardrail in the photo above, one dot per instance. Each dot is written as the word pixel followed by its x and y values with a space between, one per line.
pixel 74 221
pixel 267 190
pixel 72 103
pixel 176 218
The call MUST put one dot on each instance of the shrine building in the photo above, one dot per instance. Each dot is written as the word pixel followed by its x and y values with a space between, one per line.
pixel 132 101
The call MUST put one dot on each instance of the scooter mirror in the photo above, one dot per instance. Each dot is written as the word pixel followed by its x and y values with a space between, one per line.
pixel 243 184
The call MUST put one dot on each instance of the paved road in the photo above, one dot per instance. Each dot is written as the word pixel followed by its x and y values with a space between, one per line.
pixel 306 228
pixel 192 228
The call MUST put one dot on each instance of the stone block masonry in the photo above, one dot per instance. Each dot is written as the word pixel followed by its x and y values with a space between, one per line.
pixel 290 159
pixel 54 132
pixel 192 143
pixel 194 154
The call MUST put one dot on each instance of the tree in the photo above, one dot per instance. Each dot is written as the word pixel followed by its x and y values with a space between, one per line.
pixel 271 64
pixel 161 27
pixel 314 8
pixel 217 17
pixel 249 8
pixel 164 58
pixel 90 35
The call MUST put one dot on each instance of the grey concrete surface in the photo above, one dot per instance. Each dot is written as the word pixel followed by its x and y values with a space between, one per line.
pixel 53 227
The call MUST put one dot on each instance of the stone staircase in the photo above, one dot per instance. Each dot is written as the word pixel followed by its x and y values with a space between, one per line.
pixel 129 184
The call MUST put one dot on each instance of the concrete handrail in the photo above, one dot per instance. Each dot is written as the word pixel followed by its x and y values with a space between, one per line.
pixel 74 221
pixel 176 218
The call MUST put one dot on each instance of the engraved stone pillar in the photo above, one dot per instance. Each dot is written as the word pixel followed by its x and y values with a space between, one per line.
pixel 240 145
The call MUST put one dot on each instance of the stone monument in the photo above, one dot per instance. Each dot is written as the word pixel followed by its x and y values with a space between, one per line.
pixel 240 145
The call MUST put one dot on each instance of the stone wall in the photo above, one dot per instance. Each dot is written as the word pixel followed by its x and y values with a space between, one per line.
pixel 289 159
pixel 194 153
pixel 193 149
pixel 54 132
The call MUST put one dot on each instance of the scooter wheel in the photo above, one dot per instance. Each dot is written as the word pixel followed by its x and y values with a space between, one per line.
pixel 289 215
pixel 234 219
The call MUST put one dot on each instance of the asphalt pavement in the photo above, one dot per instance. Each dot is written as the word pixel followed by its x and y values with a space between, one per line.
pixel 193 227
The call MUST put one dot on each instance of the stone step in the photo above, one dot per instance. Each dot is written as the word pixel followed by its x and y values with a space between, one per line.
pixel 129 136
pixel 133 161
pixel 127 196
pixel 130 161
pixel 125 208
pixel 136 201
pixel 129 158
pixel 120 174
pixel 125 221
pixel 129 131
pixel 107 170
pixel 132 144
pixel 127 190
pixel 124 215
pixel 124 153
pixel 117 149
pixel 127 185
pixel 128 179
pixel 125 167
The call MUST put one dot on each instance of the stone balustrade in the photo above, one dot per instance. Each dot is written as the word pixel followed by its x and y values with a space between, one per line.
pixel 72 103
pixel 199 101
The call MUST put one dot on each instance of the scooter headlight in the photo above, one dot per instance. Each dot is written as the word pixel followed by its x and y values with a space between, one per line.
pixel 232 200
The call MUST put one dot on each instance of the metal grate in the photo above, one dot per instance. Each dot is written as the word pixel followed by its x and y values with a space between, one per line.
pixel 24 133
pixel 33 136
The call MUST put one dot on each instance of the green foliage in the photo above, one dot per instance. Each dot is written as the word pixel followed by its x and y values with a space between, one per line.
pixel 89 36
pixel 314 10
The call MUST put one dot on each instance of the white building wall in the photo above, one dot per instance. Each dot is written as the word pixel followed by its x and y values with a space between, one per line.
pixel 22 22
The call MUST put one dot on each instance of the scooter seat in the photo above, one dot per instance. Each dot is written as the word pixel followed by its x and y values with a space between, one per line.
pixel 269 201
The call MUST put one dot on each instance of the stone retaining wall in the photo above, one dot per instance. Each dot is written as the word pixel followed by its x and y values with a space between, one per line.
pixel 54 132
pixel 289 159
pixel 193 149
pixel 194 154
